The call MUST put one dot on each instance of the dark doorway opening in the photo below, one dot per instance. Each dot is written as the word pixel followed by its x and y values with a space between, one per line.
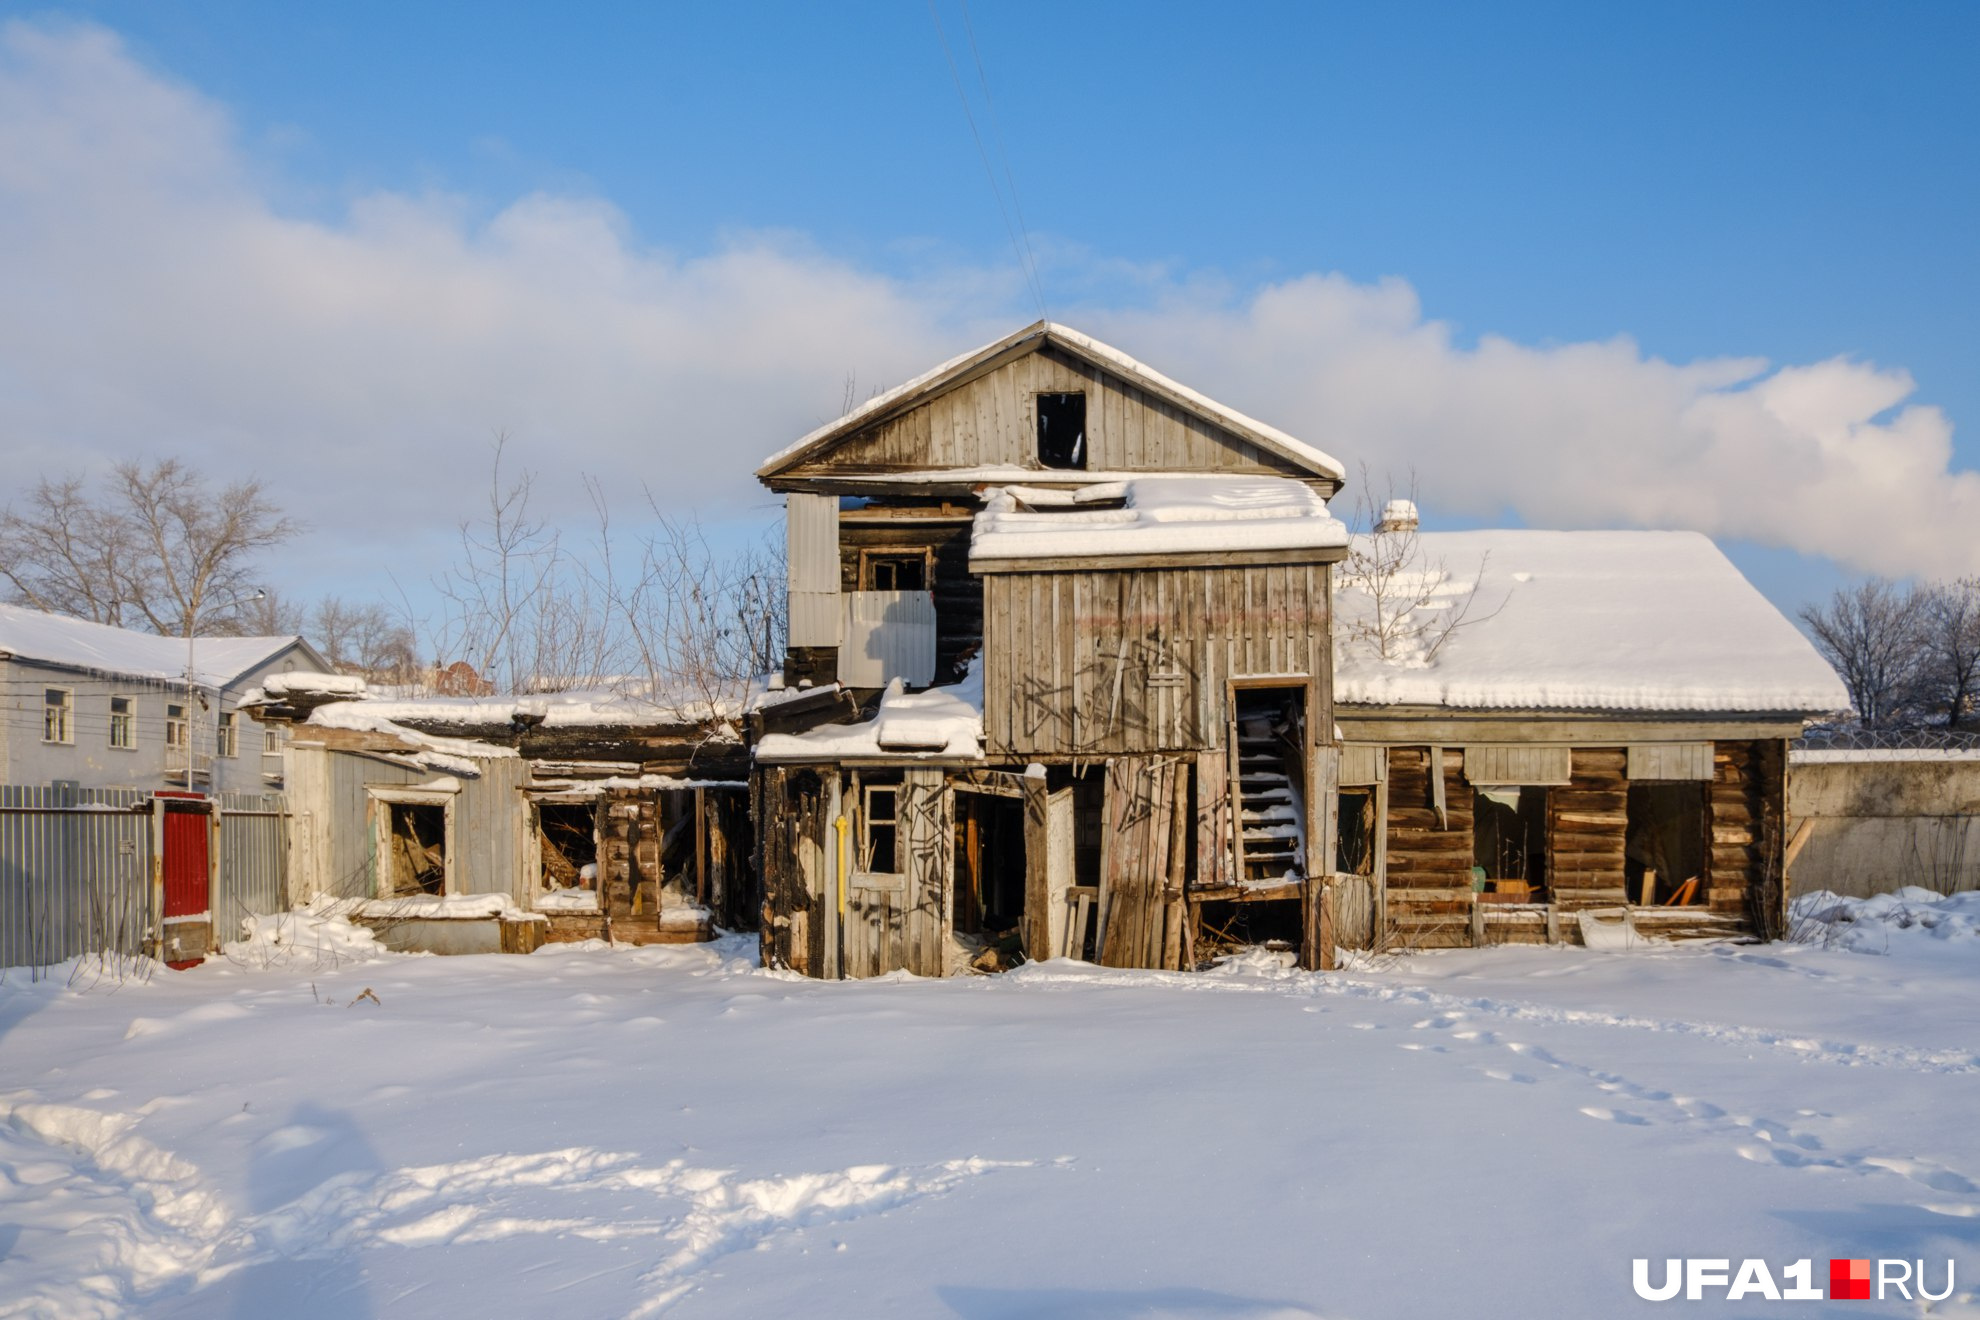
pixel 990 865
pixel 1354 849
pixel 1224 927
pixel 1061 430
pixel 1509 842
pixel 419 848
pixel 1269 741
pixel 1664 844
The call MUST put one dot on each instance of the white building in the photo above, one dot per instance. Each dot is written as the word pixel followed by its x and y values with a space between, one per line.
pixel 105 707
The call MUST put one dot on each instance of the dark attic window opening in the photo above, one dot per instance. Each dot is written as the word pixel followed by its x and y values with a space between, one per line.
pixel 897 572
pixel 1062 430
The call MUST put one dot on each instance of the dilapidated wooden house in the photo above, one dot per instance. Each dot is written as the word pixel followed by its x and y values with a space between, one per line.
pixel 1059 677
pixel 1062 683
pixel 579 815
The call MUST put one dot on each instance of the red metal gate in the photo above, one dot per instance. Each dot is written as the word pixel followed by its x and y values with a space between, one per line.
pixel 186 866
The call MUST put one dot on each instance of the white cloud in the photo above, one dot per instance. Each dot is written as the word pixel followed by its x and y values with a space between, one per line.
pixel 157 301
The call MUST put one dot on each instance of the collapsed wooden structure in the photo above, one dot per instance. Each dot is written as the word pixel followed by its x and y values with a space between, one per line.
pixel 582 815
pixel 1062 683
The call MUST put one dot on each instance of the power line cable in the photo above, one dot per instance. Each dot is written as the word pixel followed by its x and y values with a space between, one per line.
pixel 1003 157
pixel 983 154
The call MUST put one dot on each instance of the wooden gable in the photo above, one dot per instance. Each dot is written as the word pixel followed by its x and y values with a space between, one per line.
pixel 977 418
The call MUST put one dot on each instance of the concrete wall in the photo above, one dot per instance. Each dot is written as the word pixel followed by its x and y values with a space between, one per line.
pixel 1881 824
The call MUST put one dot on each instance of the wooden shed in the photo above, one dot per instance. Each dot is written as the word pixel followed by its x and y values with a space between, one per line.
pixel 1575 735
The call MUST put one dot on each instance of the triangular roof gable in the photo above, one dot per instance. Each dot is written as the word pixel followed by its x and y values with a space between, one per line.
pixel 959 371
pixel 65 642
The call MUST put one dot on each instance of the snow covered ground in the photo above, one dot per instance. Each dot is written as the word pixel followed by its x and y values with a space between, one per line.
pixel 672 1130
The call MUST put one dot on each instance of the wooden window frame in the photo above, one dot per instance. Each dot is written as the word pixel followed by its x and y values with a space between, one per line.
pixel 1086 431
pixel 178 728
pixel 226 734
pixel 867 820
pixel 58 718
pixel 869 555
pixel 379 802
pixel 123 724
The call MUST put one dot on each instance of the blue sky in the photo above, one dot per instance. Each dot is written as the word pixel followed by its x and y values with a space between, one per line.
pixel 1774 184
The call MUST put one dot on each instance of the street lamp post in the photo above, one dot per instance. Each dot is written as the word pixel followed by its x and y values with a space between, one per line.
pixel 194 699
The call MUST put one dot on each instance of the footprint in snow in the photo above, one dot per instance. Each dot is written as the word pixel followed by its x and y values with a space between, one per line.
pixel 1616 1116
pixel 1500 1075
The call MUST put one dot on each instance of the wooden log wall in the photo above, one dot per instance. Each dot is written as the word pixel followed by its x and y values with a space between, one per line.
pixel 1429 860
pixel 1127 662
pixel 958 593
pixel 1586 823
pixel 1748 806
pixel 629 833
pixel 988 422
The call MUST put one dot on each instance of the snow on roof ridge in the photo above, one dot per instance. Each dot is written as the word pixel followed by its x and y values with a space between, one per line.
pixel 102 648
pixel 1127 366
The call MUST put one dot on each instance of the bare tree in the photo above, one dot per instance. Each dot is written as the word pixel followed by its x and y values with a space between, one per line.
pixel 159 547
pixel 1874 635
pixel 364 639
pixel 268 614
pixel 1410 604
pixel 1951 664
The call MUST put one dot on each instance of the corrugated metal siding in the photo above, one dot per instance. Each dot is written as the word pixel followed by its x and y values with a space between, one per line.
pixel 1671 761
pixel 1135 661
pixel 1516 763
pixel 812 549
pixel 75 873
pixel 254 861
pixel 331 840
pixel 889 635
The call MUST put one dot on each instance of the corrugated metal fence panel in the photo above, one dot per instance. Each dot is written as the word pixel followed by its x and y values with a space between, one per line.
pixel 1670 761
pixel 812 526
pixel 254 861
pixel 889 635
pixel 75 873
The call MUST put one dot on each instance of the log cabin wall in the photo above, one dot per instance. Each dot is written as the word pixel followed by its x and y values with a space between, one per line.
pixel 1132 661
pixel 1586 825
pixel 1428 892
pixel 989 422
pixel 1426 867
pixel 1748 825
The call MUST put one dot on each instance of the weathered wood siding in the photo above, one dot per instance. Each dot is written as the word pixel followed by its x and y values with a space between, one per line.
pixel 901 922
pixel 1586 825
pixel 791 839
pixel 1428 859
pixel 1126 662
pixel 989 422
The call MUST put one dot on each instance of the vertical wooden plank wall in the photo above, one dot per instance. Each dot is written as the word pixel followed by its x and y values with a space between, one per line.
pixel 928 838
pixel 988 422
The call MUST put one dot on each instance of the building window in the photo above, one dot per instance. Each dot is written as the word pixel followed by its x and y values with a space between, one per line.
pixel 896 570
pixel 57 708
pixel 123 722
pixel 878 853
pixel 223 734
pixel 271 742
pixel 175 726
pixel 1061 430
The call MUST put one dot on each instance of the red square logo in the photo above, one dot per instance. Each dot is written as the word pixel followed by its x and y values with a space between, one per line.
pixel 1849 1280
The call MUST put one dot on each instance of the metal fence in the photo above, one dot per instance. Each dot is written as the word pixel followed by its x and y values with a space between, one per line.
pixel 76 869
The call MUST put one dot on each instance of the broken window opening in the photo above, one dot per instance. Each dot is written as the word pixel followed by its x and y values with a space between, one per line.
pixel 1061 430
pixel 1509 844
pixel 1354 850
pixel 990 865
pixel 879 830
pixel 567 834
pixel 907 571
pixel 418 855
pixel 1664 844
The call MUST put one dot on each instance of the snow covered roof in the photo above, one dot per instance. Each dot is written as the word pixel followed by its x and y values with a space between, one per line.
pixel 1080 345
pixel 1622 621
pixel 98 648
pixel 1157 515
pixel 942 722
pixel 556 710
